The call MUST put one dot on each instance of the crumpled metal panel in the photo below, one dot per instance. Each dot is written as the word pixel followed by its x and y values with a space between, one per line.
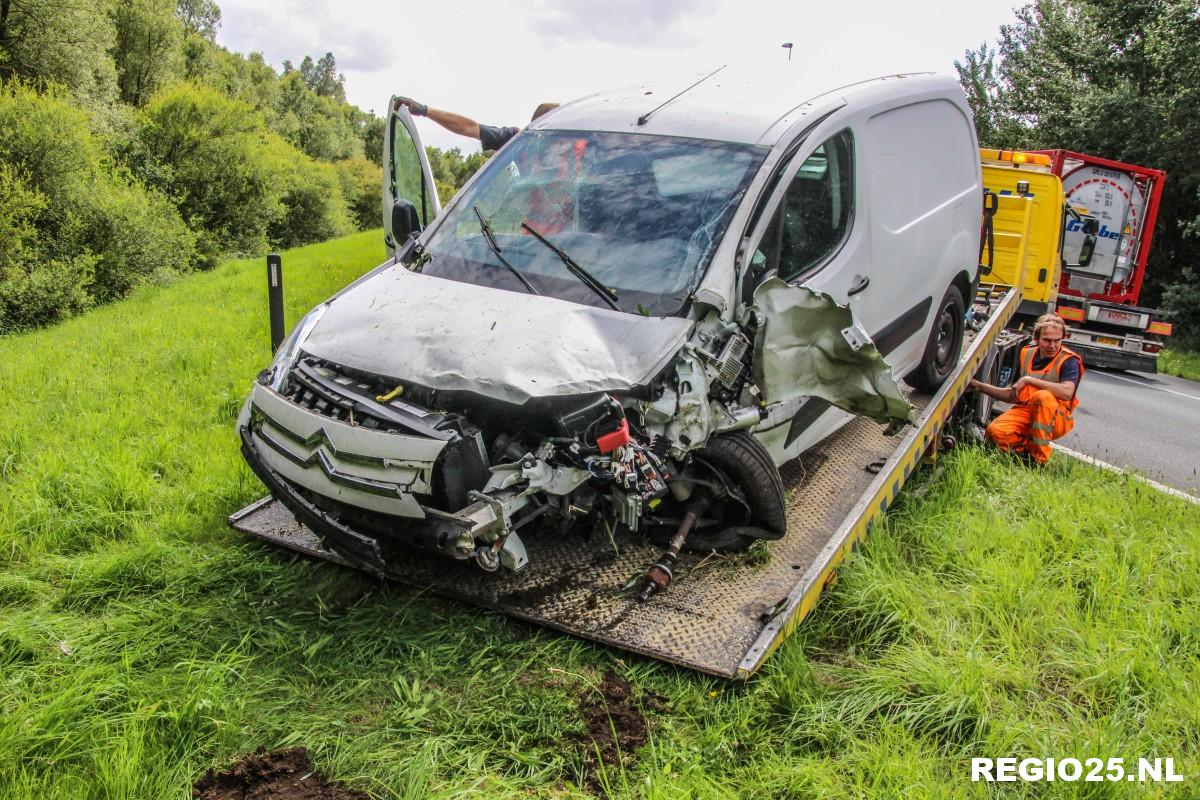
pixel 712 613
pixel 508 346
pixel 800 351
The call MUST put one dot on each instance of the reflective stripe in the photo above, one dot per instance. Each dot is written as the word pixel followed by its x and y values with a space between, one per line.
pixel 1047 428
pixel 1039 441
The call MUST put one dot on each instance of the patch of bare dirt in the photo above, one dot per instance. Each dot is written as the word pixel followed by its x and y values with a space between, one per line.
pixel 616 728
pixel 278 775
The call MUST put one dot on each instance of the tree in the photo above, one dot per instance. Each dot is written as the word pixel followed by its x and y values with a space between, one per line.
pixel 1117 78
pixel 200 18
pixel 986 96
pixel 64 42
pixel 316 124
pixel 371 130
pixel 323 77
pixel 146 50
pixel 240 186
pixel 360 187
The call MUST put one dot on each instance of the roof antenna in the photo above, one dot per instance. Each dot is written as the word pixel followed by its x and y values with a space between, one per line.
pixel 644 118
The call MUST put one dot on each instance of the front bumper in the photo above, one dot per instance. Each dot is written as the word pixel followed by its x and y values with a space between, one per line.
pixel 1115 358
pixel 455 534
pixel 379 471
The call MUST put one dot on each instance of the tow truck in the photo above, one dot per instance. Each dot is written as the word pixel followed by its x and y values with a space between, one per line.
pixel 1091 239
pixel 725 614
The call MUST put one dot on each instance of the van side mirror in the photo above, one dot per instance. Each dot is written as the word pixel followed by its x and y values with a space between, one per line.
pixel 405 221
pixel 1091 227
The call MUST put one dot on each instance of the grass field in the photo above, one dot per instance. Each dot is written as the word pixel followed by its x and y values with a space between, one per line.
pixel 1000 611
pixel 1184 363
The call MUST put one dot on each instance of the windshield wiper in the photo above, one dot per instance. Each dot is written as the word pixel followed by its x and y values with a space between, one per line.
pixel 486 228
pixel 586 278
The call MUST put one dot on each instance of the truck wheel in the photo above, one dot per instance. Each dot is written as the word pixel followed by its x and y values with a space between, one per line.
pixel 742 460
pixel 989 372
pixel 944 345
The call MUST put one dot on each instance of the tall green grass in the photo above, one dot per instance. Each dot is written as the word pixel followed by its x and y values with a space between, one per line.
pixel 1003 612
pixel 1183 363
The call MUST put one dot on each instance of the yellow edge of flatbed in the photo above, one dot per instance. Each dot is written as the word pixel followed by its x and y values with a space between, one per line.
pixel 880 494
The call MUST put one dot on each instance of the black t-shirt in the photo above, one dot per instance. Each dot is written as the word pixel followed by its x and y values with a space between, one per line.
pixel 493 138
pixel 1069 371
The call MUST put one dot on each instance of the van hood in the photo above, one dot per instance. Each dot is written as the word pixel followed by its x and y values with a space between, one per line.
pixel 508 346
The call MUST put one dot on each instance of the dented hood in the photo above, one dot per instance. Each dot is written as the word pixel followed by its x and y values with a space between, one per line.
pixel 508 346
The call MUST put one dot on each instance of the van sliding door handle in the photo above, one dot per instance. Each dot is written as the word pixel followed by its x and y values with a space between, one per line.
pixel 860 282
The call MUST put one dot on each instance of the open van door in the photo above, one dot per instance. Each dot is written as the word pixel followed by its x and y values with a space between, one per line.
pixel 410 199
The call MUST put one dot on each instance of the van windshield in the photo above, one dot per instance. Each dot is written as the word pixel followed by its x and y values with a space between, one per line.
pixel 642 214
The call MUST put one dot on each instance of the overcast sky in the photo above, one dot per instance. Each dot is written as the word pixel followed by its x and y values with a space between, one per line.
pixel 494 62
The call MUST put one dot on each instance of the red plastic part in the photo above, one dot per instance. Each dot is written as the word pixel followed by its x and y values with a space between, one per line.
pixel 611 441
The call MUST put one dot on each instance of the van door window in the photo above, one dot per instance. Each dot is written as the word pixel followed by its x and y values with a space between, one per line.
pixel 815 213
pixel 406 177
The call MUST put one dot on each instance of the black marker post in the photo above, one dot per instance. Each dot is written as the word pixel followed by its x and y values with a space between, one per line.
pixel 275 298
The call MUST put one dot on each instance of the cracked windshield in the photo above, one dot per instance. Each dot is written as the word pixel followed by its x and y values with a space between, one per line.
pixel 614 220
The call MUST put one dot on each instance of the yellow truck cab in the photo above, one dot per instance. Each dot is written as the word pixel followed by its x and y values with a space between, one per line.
pixel 1038 253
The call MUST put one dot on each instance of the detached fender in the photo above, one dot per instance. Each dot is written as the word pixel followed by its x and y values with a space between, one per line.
pixel 804 349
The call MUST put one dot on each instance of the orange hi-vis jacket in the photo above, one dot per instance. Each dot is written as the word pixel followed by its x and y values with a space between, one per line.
pixel 1053 371
pixel 1038 417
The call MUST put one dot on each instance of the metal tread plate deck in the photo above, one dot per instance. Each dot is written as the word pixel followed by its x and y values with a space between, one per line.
pixel 721 615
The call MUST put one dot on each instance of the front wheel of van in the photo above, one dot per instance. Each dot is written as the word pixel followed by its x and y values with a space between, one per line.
pixel 739 462
pixel 944 344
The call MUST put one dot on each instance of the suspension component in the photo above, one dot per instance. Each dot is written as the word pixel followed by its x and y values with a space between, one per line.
pixel 658 577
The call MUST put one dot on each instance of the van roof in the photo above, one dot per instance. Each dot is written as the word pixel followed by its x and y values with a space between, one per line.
pixel 734 104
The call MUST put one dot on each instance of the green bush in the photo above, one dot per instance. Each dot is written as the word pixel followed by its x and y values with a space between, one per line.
pixel 241 187
pixel 76 229
pixel 214 159
pixel 34 289
pixel 137 235
pixel 1182 302
pixel 314 209
pixel 361 187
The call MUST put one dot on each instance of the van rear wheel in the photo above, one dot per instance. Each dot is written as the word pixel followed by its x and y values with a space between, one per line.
pixel 944 345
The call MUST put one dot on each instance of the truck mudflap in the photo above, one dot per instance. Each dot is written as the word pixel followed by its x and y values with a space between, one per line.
pixel 722 615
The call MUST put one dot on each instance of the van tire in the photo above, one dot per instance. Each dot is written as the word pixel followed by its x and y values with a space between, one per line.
pixel 944 345
pixel 745 461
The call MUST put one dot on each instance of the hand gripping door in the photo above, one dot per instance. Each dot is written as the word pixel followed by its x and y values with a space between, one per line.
pixel 406 176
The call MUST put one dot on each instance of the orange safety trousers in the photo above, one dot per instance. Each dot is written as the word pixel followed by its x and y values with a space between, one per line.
pixel 1031 424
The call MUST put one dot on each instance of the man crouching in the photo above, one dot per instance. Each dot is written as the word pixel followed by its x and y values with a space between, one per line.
pixel 1043 396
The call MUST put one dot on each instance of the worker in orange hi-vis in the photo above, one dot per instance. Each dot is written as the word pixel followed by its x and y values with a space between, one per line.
pixel 1043 396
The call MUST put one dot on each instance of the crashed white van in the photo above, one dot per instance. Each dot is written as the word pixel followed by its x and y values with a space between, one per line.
pixel 629 317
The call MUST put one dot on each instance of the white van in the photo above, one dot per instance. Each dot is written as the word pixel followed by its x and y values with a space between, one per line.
pixel 632 314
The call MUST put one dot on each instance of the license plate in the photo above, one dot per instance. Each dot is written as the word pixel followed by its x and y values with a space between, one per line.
pixel 1116 316
pixel 1107 340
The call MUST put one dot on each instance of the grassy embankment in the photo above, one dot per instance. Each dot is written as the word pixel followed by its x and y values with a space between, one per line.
pixel 1003 612
pixel 1184 363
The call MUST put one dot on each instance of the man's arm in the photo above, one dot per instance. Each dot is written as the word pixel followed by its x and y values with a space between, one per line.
pixel 455 123
pixel 1063 390
pixel 1007 394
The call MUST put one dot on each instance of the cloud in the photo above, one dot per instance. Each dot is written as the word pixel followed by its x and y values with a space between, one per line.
pixel 662 23
pixel 306 27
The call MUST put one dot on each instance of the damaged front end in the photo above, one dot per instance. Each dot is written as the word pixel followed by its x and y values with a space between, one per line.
pixel 375 467
pixel 463 457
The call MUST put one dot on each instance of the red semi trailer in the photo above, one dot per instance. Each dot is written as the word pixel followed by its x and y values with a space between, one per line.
pixel 1098 294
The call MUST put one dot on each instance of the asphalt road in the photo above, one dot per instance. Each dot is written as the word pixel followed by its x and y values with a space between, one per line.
pixel 1148 423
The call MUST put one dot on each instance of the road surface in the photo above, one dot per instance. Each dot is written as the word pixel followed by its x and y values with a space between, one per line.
pixel 1148 423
